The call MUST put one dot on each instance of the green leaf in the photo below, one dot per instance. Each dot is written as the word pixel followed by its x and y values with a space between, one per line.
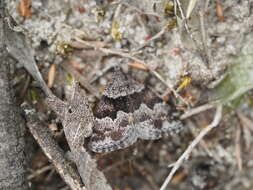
pixel 238 80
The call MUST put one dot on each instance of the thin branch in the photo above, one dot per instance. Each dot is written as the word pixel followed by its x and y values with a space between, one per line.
pixel 40 171
pixel 203 31
pixel 238 153
pixel 186 154
pixel 197 110
pixel 52 150
pixel 202 142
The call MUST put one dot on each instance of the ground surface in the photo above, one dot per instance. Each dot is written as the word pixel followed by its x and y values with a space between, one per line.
pixel 217 36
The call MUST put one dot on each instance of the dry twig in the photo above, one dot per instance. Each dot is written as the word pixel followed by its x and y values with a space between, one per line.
pixel 202 142
pixel 40 171
pixel 197 110
pixel 203 31
pixel 52 150
pixel 186 154
pixel 238 154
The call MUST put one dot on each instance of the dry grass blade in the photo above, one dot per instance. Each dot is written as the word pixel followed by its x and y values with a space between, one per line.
pixel 238 154
pixel 185 155
pixel 190 7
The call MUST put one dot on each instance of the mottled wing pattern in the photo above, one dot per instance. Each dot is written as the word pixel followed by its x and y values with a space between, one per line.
pixel 110 135
pixel 128 111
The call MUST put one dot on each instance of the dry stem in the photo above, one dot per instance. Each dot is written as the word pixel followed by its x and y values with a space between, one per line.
pixel 238 153
pixel 197 110
pixel 186 154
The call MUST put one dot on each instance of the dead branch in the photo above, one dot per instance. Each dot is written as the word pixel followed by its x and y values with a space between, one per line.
pixel 52 150
pixel 186 154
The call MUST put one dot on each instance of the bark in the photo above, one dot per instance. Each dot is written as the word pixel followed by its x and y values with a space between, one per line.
pixel 12 127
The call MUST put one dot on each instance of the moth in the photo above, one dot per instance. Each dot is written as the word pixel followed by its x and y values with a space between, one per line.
pixel 129 111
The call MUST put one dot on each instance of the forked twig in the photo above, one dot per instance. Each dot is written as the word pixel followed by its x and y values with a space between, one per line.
pixel 185 155
pixel 52 150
